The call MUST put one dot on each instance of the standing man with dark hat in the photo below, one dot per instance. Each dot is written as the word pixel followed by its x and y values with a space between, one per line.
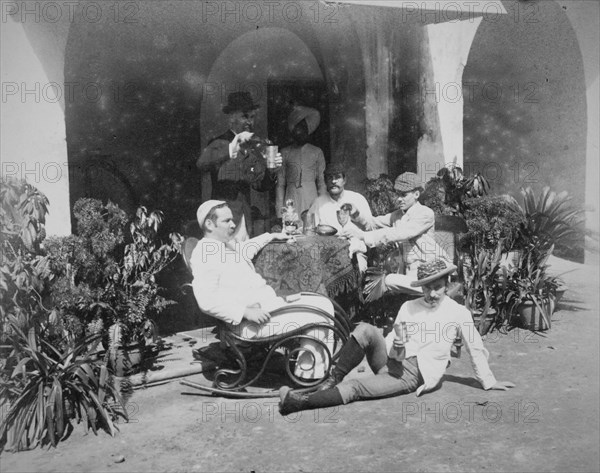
pixel 412 359
pixel 235 167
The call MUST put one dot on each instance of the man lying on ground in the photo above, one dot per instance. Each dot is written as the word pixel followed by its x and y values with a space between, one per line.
pixel 414 360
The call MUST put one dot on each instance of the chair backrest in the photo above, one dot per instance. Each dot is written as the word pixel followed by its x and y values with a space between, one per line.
pixel 447 229
pixel 186 249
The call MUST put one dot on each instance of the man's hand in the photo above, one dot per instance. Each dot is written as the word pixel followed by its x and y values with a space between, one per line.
pixel 354 213
pixel 502 385
pixel 352 231
pixel 234 146
pixel 281 236
pixel 257 315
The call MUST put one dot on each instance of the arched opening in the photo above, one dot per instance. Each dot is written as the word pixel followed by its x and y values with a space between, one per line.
pixel 278 69
pixel 525 102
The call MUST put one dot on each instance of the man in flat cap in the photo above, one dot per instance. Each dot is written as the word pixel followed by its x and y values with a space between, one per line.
pixel 227 287
pixel 412 226
pixel 234 168
pixel 301 174
pixel 412 358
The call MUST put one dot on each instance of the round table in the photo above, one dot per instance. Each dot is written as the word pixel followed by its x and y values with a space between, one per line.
pixel 312 263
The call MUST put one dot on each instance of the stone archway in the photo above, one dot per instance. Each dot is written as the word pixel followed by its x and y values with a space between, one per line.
pixel 525 114
pixel 249 63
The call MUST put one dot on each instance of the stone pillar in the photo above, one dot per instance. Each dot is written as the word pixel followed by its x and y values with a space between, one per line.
pixel 33 124
pixel 375 36
pixel 449 45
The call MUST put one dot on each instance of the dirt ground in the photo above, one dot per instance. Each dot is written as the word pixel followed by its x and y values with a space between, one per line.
pixel 549 422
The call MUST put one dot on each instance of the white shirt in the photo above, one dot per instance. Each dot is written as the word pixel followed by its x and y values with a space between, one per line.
pixel 225 281
pixel 325 208
pixel 432 331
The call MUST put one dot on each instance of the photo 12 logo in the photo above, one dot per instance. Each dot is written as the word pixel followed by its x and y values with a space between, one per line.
pixel 452 412
pixel 253 412
pixel 71 11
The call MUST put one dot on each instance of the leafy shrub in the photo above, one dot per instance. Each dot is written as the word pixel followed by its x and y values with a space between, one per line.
pixel 491 219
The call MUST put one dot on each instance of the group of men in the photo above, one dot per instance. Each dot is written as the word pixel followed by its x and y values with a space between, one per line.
pixel 234 170
pixel 227 287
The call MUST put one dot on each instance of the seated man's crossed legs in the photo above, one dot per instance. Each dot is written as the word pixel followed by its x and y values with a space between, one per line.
pixel 312 362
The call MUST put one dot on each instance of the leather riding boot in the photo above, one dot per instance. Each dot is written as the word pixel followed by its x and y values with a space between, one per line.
pixel 291 401
pixel 350 357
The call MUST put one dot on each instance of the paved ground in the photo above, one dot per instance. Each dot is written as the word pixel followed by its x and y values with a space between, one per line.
pixel 549 422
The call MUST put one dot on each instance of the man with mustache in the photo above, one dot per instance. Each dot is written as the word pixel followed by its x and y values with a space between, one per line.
pixel 233 167
pixel 414 362
pixel 330 209
pixel 227 287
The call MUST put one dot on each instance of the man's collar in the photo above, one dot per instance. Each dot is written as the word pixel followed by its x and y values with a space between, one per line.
pixel 341 196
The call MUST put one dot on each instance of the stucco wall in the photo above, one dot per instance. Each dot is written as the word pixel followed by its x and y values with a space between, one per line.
pixel 525 114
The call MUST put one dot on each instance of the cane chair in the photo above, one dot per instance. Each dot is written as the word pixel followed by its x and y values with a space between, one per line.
pixel 234 376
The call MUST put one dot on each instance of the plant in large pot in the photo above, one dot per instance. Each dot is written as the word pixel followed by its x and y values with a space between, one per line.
pixel 483 287
pixel 134 292
pixel 107 278
pixel 491 220
pixel 529 297
pixel 551 221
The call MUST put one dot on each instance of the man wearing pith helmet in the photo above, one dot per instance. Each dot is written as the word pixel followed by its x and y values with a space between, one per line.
pixel 412 226
pixel 412 359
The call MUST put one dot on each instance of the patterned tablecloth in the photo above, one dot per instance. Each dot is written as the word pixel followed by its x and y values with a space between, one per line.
pixel 313 263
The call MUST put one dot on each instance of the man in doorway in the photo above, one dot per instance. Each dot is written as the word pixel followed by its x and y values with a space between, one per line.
pixel 233 166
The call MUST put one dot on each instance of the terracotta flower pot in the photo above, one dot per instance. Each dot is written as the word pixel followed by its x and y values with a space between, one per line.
pixel 126 360
pixel 560 292
pixel 530 317
pixel 484 327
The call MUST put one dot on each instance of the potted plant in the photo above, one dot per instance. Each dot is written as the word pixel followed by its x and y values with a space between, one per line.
pixel 550 221
pixel 46 378
pixel 107 278
pixel 530 292
pixel 482 286
pixel 135 291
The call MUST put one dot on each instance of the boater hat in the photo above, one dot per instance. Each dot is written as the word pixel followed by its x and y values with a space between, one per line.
pixel 205 209
pixel 432 270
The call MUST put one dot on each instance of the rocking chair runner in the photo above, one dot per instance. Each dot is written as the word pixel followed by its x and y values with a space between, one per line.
pixel 233 381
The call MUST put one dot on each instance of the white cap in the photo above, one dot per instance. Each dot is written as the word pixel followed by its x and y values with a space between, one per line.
pixel 205 209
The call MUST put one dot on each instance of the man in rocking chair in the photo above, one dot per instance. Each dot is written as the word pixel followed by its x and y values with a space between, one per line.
pixel 227 287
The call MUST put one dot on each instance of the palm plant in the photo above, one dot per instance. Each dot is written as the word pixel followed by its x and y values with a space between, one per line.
pixel 550 219
pixel 46 389
pixel 482 285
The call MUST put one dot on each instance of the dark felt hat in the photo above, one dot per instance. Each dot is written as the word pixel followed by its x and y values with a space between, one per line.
pixel 239 102
pixel 335 168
